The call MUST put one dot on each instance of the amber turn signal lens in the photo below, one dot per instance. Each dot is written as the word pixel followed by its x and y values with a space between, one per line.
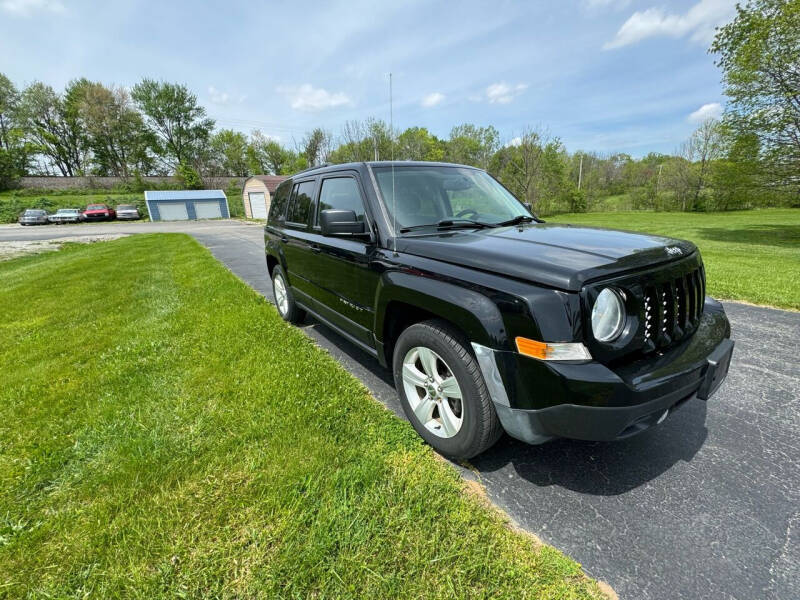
pixel 552 351
pixel 532 348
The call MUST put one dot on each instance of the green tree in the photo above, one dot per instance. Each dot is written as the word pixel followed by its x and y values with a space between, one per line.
pixel 116 132
pixel 472 145
pixel 759 54
pixel 9 103
pixel 736 176
pixel 316 146
pixel 417 143
pixel 229 149
pixel 188 177
pixel 179 124
pixel 52 123
pixel 267 155
pixel 535 169
pixel 14 152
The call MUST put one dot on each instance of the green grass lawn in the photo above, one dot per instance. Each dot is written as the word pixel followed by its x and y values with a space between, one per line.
pixel 751 255
pixel 163 433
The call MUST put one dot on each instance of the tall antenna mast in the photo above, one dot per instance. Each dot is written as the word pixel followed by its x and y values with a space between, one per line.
pixel 391 145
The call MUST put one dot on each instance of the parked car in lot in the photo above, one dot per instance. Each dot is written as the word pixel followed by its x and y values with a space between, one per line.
pixel 99 212
pixel 490 318
pixel 127 212
pixel 66 215
pixel 33 216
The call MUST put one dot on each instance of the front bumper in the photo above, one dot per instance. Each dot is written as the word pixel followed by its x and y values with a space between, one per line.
pixel 540 400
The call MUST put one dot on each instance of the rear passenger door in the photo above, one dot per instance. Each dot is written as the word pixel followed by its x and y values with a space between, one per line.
pixel 296 239
pixel 343 282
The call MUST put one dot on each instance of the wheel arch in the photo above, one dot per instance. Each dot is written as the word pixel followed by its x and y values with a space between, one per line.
pixel 272 262
pixel 405 299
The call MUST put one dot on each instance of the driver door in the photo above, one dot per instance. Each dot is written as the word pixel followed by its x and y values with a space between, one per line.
pixel 344 283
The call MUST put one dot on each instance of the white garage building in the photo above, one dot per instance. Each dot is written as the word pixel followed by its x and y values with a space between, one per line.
pixel 257 194
pixel 185 205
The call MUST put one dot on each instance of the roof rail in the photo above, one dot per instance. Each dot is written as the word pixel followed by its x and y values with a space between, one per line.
pixel 327 164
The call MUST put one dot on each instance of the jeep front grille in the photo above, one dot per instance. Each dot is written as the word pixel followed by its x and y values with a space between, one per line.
pixel 672 308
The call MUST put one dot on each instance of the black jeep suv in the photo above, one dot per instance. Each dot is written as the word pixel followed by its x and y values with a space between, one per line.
pixel 490 318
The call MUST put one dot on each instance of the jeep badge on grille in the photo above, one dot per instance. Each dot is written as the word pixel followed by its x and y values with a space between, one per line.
pixel 674 250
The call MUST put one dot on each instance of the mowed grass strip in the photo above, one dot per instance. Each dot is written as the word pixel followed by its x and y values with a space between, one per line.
pixel 751 255
pixel 164 434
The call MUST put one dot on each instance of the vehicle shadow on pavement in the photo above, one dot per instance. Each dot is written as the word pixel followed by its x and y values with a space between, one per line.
pixel 604 468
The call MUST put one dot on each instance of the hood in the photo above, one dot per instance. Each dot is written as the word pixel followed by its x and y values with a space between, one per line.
pixel 559 256
pixel 95 210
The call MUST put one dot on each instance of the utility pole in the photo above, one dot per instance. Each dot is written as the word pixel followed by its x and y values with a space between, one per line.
pixel 580 172
pixel 658 179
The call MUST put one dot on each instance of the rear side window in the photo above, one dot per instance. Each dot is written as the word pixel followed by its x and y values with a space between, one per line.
pixel 301 203
pixel 277 208
pixel 341 193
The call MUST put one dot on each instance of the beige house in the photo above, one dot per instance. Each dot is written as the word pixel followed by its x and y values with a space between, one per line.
pixel 257 194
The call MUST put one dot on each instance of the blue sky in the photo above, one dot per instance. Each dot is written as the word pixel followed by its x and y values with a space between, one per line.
pixel 607 75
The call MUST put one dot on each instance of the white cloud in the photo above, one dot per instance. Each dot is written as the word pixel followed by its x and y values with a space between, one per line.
pixel 222 98
pixel 712 110
pixel 310 99
pixel 433 99
pixel 516 141
pixel 218 97
pixel 502 93
pixel 698 23
pixel 26 8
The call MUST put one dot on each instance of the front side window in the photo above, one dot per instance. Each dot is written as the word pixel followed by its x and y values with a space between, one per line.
pixel 421 195
pixel 341 193
pixel 301 203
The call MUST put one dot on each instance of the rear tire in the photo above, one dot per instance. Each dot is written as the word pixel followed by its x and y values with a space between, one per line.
pixel 284 299
pixel 428 356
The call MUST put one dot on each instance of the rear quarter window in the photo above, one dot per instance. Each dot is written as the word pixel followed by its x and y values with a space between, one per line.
pixel 277 208
pixel 300 205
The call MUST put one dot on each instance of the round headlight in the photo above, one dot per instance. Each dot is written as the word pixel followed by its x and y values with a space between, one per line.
pixel 608 316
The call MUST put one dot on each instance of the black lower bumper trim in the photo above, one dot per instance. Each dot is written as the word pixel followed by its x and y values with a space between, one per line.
pixel 592 423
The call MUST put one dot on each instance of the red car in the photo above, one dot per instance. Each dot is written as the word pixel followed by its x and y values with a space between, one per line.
pixel 99 212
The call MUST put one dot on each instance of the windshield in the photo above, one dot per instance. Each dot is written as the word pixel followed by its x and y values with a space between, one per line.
pixel 426 195
pixel 96 207
pixel 126 207
pixel 67 211
pixel 34 213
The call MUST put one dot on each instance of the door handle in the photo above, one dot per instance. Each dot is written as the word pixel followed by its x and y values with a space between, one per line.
pixel 284 239
pixel 316 248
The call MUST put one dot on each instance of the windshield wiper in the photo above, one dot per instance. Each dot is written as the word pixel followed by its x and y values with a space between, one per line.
pixel 449 224
pixel 517 220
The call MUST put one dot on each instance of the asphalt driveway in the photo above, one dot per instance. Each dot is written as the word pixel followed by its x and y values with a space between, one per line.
pixel 707 505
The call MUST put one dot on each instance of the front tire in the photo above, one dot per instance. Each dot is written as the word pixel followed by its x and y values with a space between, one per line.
pixel 284 299
pixel 442 390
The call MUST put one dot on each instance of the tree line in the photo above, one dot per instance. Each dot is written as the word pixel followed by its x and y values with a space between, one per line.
pixel 751 157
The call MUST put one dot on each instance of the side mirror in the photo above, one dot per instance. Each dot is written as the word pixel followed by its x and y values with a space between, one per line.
pixel 341 222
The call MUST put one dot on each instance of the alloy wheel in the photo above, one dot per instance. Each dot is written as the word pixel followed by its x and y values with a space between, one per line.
pixel 281 296
pixel 433 392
